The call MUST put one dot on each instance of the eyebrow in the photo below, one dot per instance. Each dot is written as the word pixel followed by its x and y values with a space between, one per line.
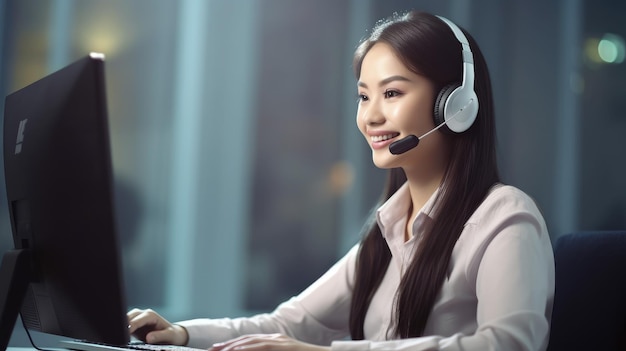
pixel 386 81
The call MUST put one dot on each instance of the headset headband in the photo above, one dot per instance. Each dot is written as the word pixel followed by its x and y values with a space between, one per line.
pixel 468 57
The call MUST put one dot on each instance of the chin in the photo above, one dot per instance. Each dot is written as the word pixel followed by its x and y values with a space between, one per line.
pixel 385 161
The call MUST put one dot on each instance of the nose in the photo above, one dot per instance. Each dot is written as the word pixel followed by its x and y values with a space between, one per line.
pixel 371 114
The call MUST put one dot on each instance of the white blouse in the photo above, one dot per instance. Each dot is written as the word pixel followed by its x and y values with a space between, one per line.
pixel 498 294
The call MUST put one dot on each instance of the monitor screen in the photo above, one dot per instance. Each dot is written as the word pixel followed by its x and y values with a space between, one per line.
pixel 58 172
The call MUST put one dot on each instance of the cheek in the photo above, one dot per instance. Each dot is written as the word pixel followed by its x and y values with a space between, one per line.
pixel 422 115
pixel 408 116
pixel 360 121
pixel 428 108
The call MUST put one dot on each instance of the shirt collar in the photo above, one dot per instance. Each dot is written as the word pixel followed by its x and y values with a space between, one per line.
pixel 391 215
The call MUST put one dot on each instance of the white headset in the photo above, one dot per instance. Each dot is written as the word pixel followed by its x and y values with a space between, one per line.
pixel 456 105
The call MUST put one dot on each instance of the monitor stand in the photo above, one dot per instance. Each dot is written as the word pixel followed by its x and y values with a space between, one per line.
pixel 14 278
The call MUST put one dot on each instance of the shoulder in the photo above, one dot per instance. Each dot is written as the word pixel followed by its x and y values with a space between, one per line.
pixel 506 202
pixel 508 221
pixel 507 213
pixel 507 216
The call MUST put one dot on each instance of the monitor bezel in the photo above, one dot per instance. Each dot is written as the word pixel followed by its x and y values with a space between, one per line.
pixel 59 182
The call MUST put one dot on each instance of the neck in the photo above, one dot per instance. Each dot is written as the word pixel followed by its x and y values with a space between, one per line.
pixel 420 191
pixel 422 185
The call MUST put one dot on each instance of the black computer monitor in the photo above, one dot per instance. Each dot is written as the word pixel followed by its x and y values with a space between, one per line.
pixel 65 270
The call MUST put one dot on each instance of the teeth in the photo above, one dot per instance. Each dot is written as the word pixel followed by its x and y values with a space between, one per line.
pixel 377 138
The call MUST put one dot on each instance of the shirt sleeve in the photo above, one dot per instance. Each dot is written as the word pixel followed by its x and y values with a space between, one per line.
pixel 318 315
pixel 512 269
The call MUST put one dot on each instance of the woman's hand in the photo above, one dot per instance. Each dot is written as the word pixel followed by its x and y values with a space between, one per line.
pixel 148 326
pixel 266 342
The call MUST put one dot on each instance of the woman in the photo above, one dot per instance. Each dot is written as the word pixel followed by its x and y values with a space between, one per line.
pixel 452 259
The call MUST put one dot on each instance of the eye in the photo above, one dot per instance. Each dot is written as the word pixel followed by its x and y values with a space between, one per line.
pixel 389 93
pixel 362 97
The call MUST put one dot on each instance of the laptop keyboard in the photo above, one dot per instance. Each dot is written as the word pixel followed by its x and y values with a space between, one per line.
pixel 133 345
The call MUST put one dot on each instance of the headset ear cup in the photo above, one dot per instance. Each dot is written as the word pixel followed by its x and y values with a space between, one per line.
pixel 440 106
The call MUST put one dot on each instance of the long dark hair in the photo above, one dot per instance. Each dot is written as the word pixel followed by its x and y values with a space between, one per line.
pixel 427 46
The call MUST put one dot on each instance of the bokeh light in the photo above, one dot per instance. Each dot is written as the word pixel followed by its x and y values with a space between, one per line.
pixel 611 48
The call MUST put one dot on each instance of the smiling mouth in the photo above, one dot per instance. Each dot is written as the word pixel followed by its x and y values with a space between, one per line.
pixel 379 138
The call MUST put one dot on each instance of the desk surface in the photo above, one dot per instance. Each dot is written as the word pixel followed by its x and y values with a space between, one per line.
pixel 31 349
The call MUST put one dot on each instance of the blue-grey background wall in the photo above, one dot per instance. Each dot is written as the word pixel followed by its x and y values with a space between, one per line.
pixel 240 175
